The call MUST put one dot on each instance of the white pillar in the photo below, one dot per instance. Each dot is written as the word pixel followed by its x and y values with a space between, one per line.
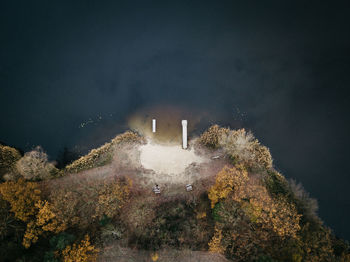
pixel 153 125
pixel 184 134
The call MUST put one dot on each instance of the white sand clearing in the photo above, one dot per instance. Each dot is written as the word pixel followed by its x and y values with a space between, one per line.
pixel 167 159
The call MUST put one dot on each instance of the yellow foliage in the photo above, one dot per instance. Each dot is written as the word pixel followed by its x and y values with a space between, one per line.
pixel 215 243
pixel 25 202
pixel 112 197
pixel 31 235
pixel 22 197
pixel 201 215
pixel 227 180
pixel 46 218
pixel 276 214
pixel 90 160
pixel 154 257
pixel 8 158
pixel 83 252
pixel 252 214
pixel 212 136
pixel 45 221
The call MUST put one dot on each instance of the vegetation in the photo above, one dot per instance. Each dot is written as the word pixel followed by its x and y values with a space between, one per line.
pixel 103 154
pixel 243 147
pixel 81 252
pixel 212 136
pixel 248 212
pixel 34 165
pixel 8 158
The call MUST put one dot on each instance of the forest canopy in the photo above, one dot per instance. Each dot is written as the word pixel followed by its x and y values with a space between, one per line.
pixel 247 211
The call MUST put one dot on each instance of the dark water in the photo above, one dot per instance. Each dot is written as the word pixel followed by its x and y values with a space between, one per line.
pixel 72 74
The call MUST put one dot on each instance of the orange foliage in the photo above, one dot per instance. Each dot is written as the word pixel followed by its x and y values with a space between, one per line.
pixel 276 214
pixel 227 180
pixel 251 217
pixel 82 252
pixel 211 137
pixel 45 221
pixel 31 235
pixel 215 243
pixel 22 197
pixel 112 197
pixel 46 218
pixel 154 257
pixel 25 202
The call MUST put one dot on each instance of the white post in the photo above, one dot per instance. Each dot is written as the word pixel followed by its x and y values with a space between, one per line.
pixel 184 134
pixel 153 125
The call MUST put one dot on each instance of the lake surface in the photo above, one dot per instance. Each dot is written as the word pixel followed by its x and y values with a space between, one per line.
pixel 75 75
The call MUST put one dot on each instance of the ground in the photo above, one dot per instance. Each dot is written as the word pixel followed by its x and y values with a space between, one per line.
pixel 169 166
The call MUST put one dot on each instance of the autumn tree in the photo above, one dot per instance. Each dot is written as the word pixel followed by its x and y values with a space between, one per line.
pixel 212 136
pixel 226 181
pixel 112 197
pixel 82 252
pixel 27 206
pixel 22 197
pixel 215 244
pixel 45 221
pixel 248 218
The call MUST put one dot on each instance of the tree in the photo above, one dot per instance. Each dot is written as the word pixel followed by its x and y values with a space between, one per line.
pixel 34 165
pixel 211 137
pixel 65 204
pixel 112 197
pixel 227 180
pixel 45 220
pixel 244 147
pixel 22 197
pixel 215 244
pixel 82 252
pixel 248 219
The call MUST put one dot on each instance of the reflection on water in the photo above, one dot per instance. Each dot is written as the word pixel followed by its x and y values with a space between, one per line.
pixel 168 125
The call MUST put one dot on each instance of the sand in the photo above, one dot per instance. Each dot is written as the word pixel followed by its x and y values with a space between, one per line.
pixel 165 159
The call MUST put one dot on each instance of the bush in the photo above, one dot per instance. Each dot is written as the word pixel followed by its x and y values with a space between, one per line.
pixel 82 252
pixel 112 197
pixel 102 155
pixel 22 197
pixel 248 219
pixel 8 158
pixel 34 165
pixel 212 136
pixel 307 206
pixel 242 146
pixel 175 224
pixel 276 184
